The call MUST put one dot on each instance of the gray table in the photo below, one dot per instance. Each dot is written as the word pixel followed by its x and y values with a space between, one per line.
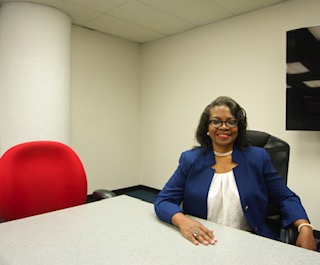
pixel 124 230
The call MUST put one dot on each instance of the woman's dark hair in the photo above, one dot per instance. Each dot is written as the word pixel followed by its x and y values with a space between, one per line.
pixel 239 113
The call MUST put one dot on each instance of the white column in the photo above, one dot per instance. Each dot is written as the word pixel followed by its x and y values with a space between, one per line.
pixel 34 74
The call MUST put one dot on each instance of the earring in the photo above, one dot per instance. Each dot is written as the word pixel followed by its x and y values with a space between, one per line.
pixel 208 133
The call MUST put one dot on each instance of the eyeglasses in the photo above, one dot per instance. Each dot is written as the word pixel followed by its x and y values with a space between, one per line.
pixel 230 123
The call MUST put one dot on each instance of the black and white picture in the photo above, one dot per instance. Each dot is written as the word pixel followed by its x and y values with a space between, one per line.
pixel 303 79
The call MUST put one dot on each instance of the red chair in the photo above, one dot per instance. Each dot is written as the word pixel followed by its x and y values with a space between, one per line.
pixel 39 177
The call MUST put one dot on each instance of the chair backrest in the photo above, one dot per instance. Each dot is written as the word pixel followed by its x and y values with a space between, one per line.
pixel 278 150
pixel 39 177
pixel 279 153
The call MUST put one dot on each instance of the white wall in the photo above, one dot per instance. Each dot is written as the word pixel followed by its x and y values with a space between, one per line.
pixel 105 81
pixel 243 57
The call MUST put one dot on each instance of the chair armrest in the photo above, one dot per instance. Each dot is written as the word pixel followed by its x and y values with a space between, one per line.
pixel 103 194
pixel 291 235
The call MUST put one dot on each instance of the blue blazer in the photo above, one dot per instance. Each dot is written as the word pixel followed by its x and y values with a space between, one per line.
pixel 257 181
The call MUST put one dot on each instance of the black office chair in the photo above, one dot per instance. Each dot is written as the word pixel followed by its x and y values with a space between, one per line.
pixel 279 151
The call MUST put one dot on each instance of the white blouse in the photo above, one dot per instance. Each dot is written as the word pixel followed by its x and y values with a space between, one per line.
pixel 224 205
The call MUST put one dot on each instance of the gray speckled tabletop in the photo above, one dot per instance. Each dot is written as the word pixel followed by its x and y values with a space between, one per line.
pixel 124 230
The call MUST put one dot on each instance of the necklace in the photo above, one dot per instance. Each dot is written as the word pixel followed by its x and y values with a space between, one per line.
pixel 223 154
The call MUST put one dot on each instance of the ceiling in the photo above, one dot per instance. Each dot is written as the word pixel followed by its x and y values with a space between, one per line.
pixel 147 20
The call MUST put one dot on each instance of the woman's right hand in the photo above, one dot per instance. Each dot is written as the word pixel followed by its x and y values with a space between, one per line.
pixel 193 230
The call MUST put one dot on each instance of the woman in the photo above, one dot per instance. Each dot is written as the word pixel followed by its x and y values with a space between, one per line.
pixel 228 182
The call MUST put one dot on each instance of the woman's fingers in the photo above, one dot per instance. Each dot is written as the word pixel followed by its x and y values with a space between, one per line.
pixel 194 240
pixel 203 236
pixel 193 230
pixel 206 237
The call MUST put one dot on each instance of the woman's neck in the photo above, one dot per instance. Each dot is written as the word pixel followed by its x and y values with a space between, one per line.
pixel 222 149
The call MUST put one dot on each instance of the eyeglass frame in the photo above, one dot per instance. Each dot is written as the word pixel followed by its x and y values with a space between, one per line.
pixel 224 122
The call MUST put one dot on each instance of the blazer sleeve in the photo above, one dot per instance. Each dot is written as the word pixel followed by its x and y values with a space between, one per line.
pixel 167 202
pixel 281 196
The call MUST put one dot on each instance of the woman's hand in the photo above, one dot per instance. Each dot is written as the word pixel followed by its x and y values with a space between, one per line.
pixel 305 238
pixel 193 230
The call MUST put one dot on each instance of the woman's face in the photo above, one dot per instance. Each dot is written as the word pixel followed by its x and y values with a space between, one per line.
pixel 222 137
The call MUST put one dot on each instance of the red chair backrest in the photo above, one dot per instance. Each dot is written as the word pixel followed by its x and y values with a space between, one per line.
pixel 39 177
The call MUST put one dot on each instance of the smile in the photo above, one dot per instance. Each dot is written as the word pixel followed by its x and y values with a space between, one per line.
pixel 223 135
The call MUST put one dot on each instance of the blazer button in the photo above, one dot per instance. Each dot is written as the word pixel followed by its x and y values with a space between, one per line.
pixel 246 208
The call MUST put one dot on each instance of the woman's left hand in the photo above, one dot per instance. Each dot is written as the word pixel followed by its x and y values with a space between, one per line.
pixel 306 239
